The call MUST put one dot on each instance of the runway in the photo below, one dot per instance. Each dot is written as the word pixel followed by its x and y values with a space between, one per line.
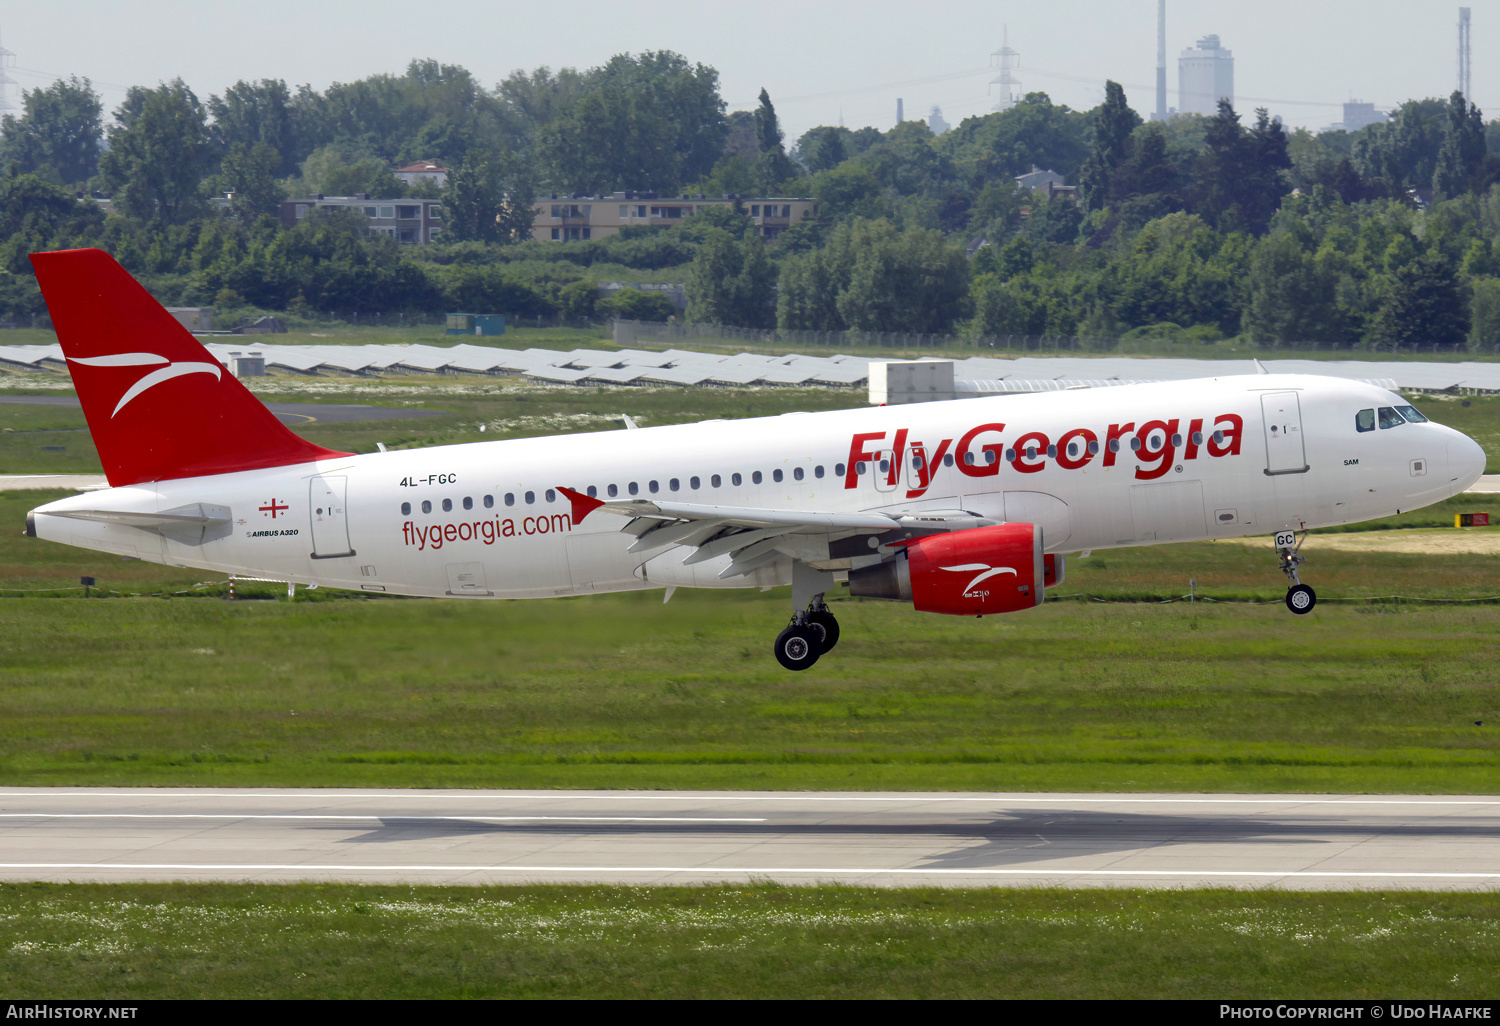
pixel 1300 842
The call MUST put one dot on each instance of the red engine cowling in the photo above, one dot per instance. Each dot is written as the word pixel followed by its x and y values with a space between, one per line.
pixel 966 573
pixel 984 570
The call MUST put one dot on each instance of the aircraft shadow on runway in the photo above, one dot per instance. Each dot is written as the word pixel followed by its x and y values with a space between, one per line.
pixel 1013 838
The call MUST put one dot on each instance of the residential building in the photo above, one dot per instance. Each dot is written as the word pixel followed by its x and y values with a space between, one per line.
pixel 422 171
pixel 1036 178
pixel 579 218
pixel 410 221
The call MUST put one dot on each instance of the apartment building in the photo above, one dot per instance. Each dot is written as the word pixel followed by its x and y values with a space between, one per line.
pixel 410 221
pixel 579 218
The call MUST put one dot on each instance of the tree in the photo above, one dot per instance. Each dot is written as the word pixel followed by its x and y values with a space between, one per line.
pixel 58 134
pixel 732 282
pixel 268 112
pixel 249 175
pixel 1114 121
pixel 1240 178
pixel 158 154
pixel 1463 150
pixel 486 200
pixel 1425 306
pixel 774 165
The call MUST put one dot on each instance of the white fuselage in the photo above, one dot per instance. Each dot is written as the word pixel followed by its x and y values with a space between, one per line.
pixel 484 519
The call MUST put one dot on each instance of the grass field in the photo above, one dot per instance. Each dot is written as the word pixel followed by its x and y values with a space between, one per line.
pixel 239 941
pixel 621 691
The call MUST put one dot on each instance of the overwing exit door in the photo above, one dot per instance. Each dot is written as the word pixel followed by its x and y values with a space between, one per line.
pixel 1282 418
pixel 330 525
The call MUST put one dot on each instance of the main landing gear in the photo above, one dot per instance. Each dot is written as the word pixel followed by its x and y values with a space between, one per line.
pixel 1300 599
pixel 811 633
pixel 813 629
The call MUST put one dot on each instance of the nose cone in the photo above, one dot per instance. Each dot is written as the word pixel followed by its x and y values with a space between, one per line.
pixel 1466 461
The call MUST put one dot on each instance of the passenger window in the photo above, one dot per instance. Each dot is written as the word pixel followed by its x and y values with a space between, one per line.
pixel 510 498
pixel 1135 444
pixel 797 473
pixel 530 498
pixel 489 502
pixel 1010 455
pixel 1410 414
pixel 755 478
pixel 1072 448
pixel 673 484
pixel 593 492
pixel 817 471
pixel 447 505
pixel 612 490
pixel 989 456
pixel 693 483
pixel 968 459
pixel 1052 452
pixel 1093 448
pixel 1389 418
pixel 716 481
pixel 406 509
pixel 838 470
pixel 635 489
pixel 551 495
pixel 468 502
pixel 653 487
pixel 426 506
pixel 859 468
pixel 1114 445
pixel 1197 437
pixel 776 476
pixel 736 480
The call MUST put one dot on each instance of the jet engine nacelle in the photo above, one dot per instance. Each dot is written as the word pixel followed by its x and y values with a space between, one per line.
pixel 964 573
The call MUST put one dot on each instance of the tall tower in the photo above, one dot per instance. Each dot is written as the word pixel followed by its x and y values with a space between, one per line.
pixel 7 61
pixel 1007 60
pixel 1205 75
pixel 1161 61
pixel 1465 82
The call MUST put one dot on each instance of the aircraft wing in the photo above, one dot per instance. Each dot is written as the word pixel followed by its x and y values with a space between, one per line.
pixel 751 537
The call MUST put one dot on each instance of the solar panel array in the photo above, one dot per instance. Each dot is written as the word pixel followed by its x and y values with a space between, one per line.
pixel 591 367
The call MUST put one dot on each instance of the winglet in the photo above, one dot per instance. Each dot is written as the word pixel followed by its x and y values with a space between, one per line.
pixel 1260 368
pixel 582 504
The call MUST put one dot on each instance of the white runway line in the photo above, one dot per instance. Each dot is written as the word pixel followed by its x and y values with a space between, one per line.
pixel 760 871
pixel 838 798
pixel 376 816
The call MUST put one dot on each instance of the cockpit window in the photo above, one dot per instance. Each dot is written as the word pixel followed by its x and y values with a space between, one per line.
pixel 1389 418
pixel 1364 420
pixel 1411 414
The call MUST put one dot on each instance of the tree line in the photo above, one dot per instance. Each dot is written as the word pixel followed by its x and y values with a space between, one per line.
pixel 1202 228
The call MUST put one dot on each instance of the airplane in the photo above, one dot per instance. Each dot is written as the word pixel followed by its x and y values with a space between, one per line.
pixel 968 507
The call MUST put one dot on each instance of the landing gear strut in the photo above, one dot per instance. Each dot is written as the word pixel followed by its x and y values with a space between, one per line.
pixel 1300 599
pixel 813 629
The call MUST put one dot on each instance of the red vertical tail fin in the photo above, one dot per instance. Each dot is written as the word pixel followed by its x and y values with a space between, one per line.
pixel 159 406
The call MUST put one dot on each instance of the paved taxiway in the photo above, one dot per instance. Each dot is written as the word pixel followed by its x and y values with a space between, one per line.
pixel 1426 842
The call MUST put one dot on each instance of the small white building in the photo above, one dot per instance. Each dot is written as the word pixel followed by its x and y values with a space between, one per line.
pixel 422 171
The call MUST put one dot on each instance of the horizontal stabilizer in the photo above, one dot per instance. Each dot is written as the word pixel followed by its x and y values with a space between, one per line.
pixel 198 514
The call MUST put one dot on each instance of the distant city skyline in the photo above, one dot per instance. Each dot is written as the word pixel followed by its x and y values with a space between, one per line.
pixel 1301 60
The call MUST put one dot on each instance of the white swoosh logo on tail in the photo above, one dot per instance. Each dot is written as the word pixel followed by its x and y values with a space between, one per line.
pixel 156 377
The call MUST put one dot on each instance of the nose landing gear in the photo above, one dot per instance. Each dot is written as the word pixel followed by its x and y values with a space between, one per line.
pixel 1300 598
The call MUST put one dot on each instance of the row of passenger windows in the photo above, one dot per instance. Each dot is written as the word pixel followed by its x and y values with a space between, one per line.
pixel 674 484
pixel 1388 416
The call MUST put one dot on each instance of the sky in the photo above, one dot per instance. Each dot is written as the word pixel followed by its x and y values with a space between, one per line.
pixel 823 63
